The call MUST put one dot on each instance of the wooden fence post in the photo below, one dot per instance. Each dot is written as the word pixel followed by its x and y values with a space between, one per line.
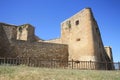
pixel 90 65
pixel 4 60
pixel 51 63
pixel 28 61
pixel 72 63
pixel 106 65
pixel 119 65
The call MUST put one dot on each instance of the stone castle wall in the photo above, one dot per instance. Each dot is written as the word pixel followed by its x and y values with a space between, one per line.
pixel 98 44
pixel 27 46
pixel 50 51
pixel 4 43
pixel 80 40
pixel 10 31
pixel 108 50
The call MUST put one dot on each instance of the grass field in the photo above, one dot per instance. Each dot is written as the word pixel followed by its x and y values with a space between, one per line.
pixel 32 73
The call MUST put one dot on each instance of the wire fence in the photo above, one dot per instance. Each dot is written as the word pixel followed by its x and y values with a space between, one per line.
pixel 81 65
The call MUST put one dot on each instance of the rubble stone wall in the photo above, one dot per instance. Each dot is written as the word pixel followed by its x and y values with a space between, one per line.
pixel 46 51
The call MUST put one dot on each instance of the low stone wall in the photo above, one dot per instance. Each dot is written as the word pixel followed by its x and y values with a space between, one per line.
pixel 45 51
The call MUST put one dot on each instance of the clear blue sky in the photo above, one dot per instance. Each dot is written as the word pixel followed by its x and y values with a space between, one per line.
pixel 46 16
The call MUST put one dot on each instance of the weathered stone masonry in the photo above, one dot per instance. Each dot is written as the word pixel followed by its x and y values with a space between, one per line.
pixel 80 40
pixel 45 51
pixel 4 43
pixel 26 45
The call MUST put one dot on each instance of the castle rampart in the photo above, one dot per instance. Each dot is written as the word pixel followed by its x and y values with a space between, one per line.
pixel 20 41
pixel 43 50
pixel 80 41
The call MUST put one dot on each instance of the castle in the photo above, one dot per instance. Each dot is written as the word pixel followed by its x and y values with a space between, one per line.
pixel 80 40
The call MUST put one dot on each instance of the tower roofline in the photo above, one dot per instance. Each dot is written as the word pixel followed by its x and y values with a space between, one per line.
pixel 77 13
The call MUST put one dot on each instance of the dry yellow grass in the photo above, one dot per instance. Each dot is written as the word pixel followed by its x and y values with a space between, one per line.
pixel 32 73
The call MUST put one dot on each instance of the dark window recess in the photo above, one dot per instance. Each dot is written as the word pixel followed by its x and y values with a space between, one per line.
pixel 78 39
pixel 77 22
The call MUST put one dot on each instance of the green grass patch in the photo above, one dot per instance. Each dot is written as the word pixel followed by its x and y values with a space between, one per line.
pixel 32 73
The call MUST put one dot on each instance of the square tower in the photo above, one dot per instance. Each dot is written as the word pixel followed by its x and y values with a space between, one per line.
pixel 82 35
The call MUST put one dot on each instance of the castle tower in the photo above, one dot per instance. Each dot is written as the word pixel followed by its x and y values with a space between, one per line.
pixel 25 32
pixel 82 35
pixel 108 50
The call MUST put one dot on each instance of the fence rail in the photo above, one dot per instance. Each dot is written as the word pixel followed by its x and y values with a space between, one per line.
pixel 81 65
